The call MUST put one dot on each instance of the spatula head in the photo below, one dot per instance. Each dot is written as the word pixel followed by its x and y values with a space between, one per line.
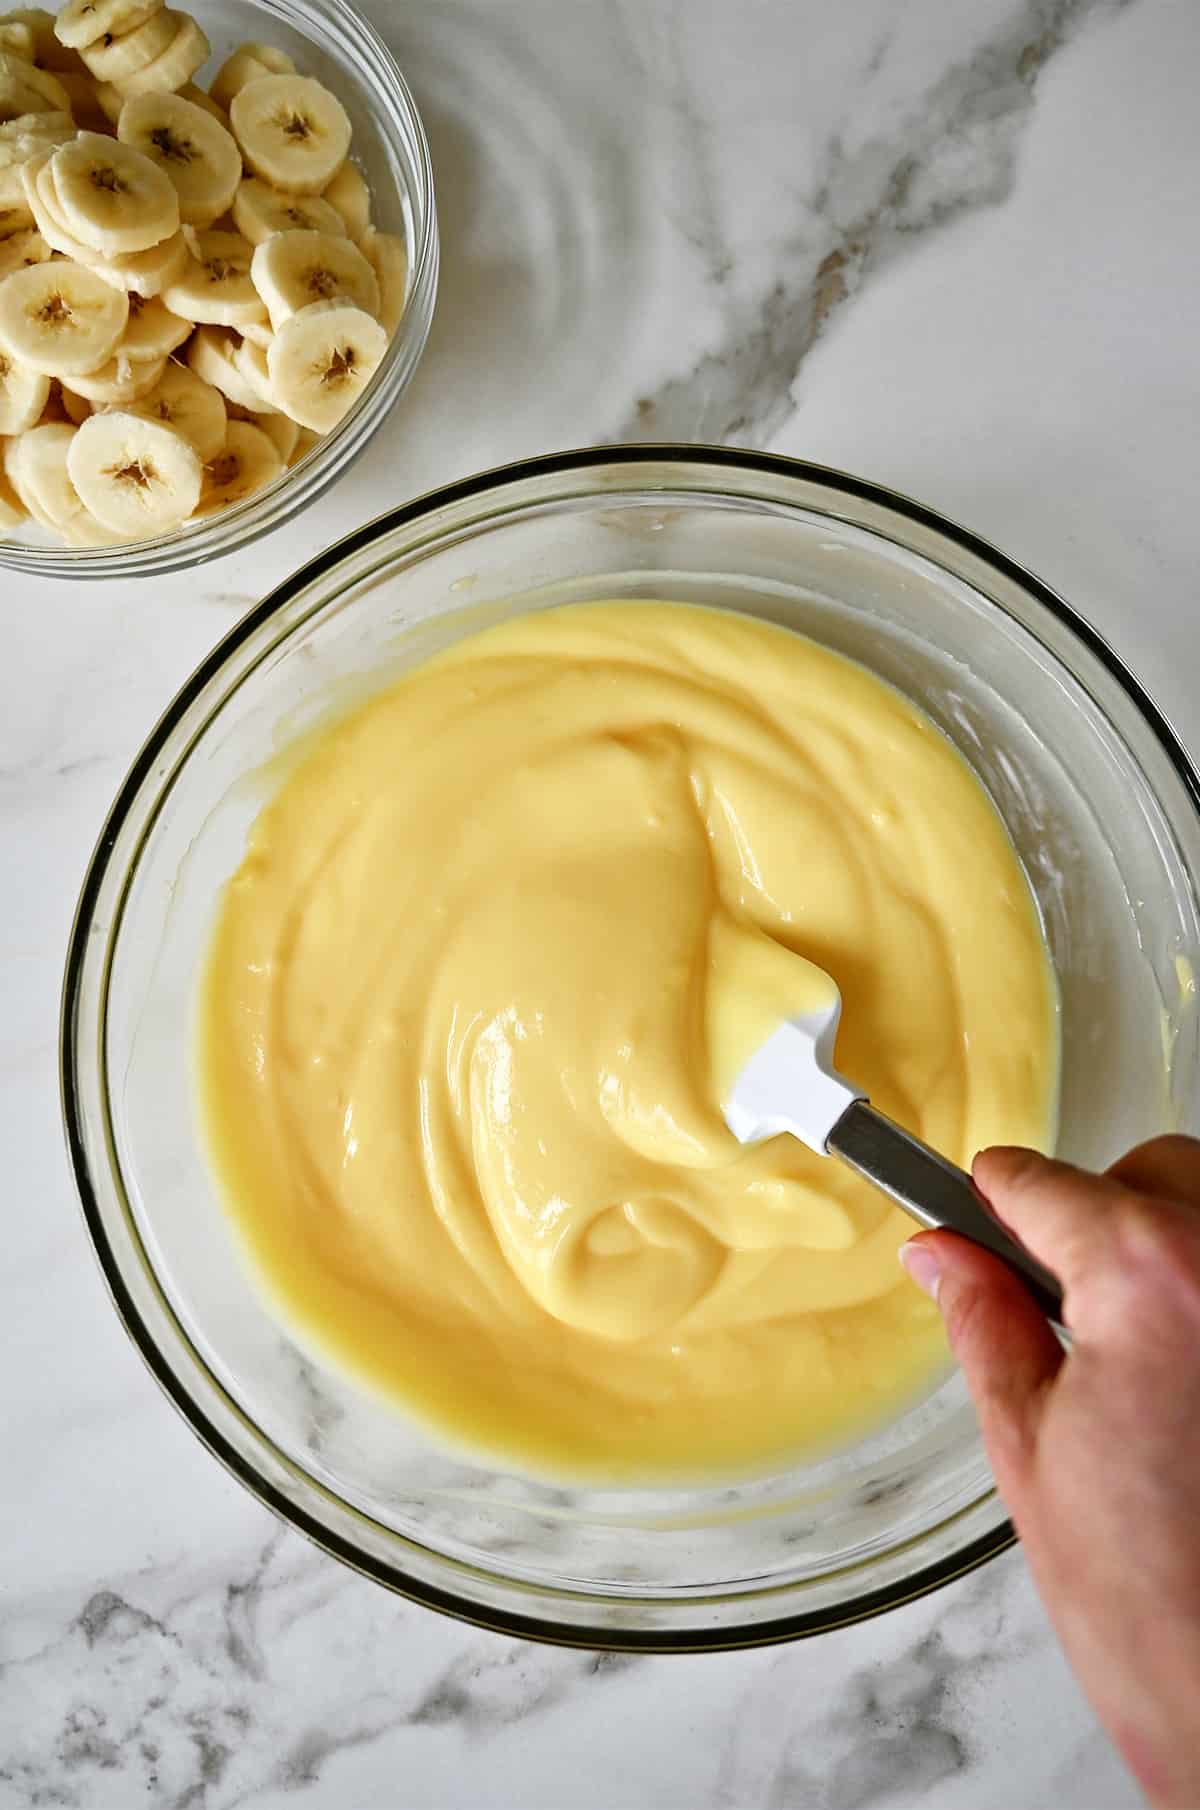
pixel 789 1083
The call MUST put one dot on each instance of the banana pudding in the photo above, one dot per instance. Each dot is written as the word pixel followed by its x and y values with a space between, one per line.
pixel 465 1013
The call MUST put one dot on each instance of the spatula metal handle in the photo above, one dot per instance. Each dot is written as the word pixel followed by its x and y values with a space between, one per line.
pixel 937 1194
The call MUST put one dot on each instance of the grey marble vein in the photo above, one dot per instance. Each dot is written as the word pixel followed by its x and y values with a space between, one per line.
pixel 889 1731
pixel 172 1695
pixel 487 1689
pixel 955 152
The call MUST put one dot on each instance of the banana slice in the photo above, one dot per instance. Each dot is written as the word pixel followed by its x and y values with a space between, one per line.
pixel 115 58
pixel 349 194
pixel 304 445
pixel 137 477
pixel 16 216
pixel 215 287
pixel 8 461
pixel 14 155
pixel 16 37
pixel 76 408
pixel 35 179
pixel 259 211
pixel 293 132
pixel 18 75
pixel 194 151
pixel 36 176
pixel 189 405
pixel 119 381
pixel 177 64
pixel 147 272
pixel 322 359
pixel 47 52
pixel 292 269
pixel 246 65
pixel 54 410
pixel 33 22
pixel 86 109
pixel 82 22
pixel 23 395
pixel 112 197
pixel 153 331
pixel 210 355
pixel 55 98
pixel 388 257
pixel 60 318
pixel 36 464
pixel 19 248
pixel 198 98
pixel 280 431
pixel 16 98
pixel 110 100
pixel 246 462
pixel 250 363
pixel 83 530
pixel 12 510
pixel 55 127
pixel 257 332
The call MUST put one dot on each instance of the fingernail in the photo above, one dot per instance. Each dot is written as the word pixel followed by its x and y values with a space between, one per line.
pixel 922 1266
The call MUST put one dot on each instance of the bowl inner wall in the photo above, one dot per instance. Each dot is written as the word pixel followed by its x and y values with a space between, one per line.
pixel 1105 872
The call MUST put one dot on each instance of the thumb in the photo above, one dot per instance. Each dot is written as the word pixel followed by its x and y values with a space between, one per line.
pixel 1003 1344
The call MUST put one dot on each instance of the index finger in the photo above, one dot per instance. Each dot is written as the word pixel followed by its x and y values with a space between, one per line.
pixel 1061 1214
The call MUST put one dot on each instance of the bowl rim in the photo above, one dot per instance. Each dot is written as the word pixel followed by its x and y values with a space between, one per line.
pixel 855 1607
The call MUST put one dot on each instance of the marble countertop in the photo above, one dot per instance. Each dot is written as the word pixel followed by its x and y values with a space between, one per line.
pixel 951 248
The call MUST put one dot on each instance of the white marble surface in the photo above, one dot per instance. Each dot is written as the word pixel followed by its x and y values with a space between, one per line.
pixel 949 247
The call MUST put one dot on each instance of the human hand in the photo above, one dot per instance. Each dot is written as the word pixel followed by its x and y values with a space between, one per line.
pixel 1097 1454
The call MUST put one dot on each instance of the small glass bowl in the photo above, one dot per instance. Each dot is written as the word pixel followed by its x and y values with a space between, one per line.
pixel 327 39
pixel 1104 809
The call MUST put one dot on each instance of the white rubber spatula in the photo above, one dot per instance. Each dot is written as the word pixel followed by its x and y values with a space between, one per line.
pixel 790 1084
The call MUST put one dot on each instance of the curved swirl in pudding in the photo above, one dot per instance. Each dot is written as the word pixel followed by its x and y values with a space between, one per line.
pixel 471 985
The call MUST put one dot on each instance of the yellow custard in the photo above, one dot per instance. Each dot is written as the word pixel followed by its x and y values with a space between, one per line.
pixel 493 949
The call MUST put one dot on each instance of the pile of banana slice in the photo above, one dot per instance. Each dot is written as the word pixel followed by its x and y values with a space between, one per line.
pixel 191 289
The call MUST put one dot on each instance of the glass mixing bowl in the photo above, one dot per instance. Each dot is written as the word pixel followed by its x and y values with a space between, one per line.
pixel 1100 800
pixel 330 40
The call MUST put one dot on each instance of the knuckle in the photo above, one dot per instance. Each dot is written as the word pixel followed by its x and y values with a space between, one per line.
pixel 961 1307
pixel 1168 1165
pixel 1145 1232
pixel 1178 1146
pixel 1159 1245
